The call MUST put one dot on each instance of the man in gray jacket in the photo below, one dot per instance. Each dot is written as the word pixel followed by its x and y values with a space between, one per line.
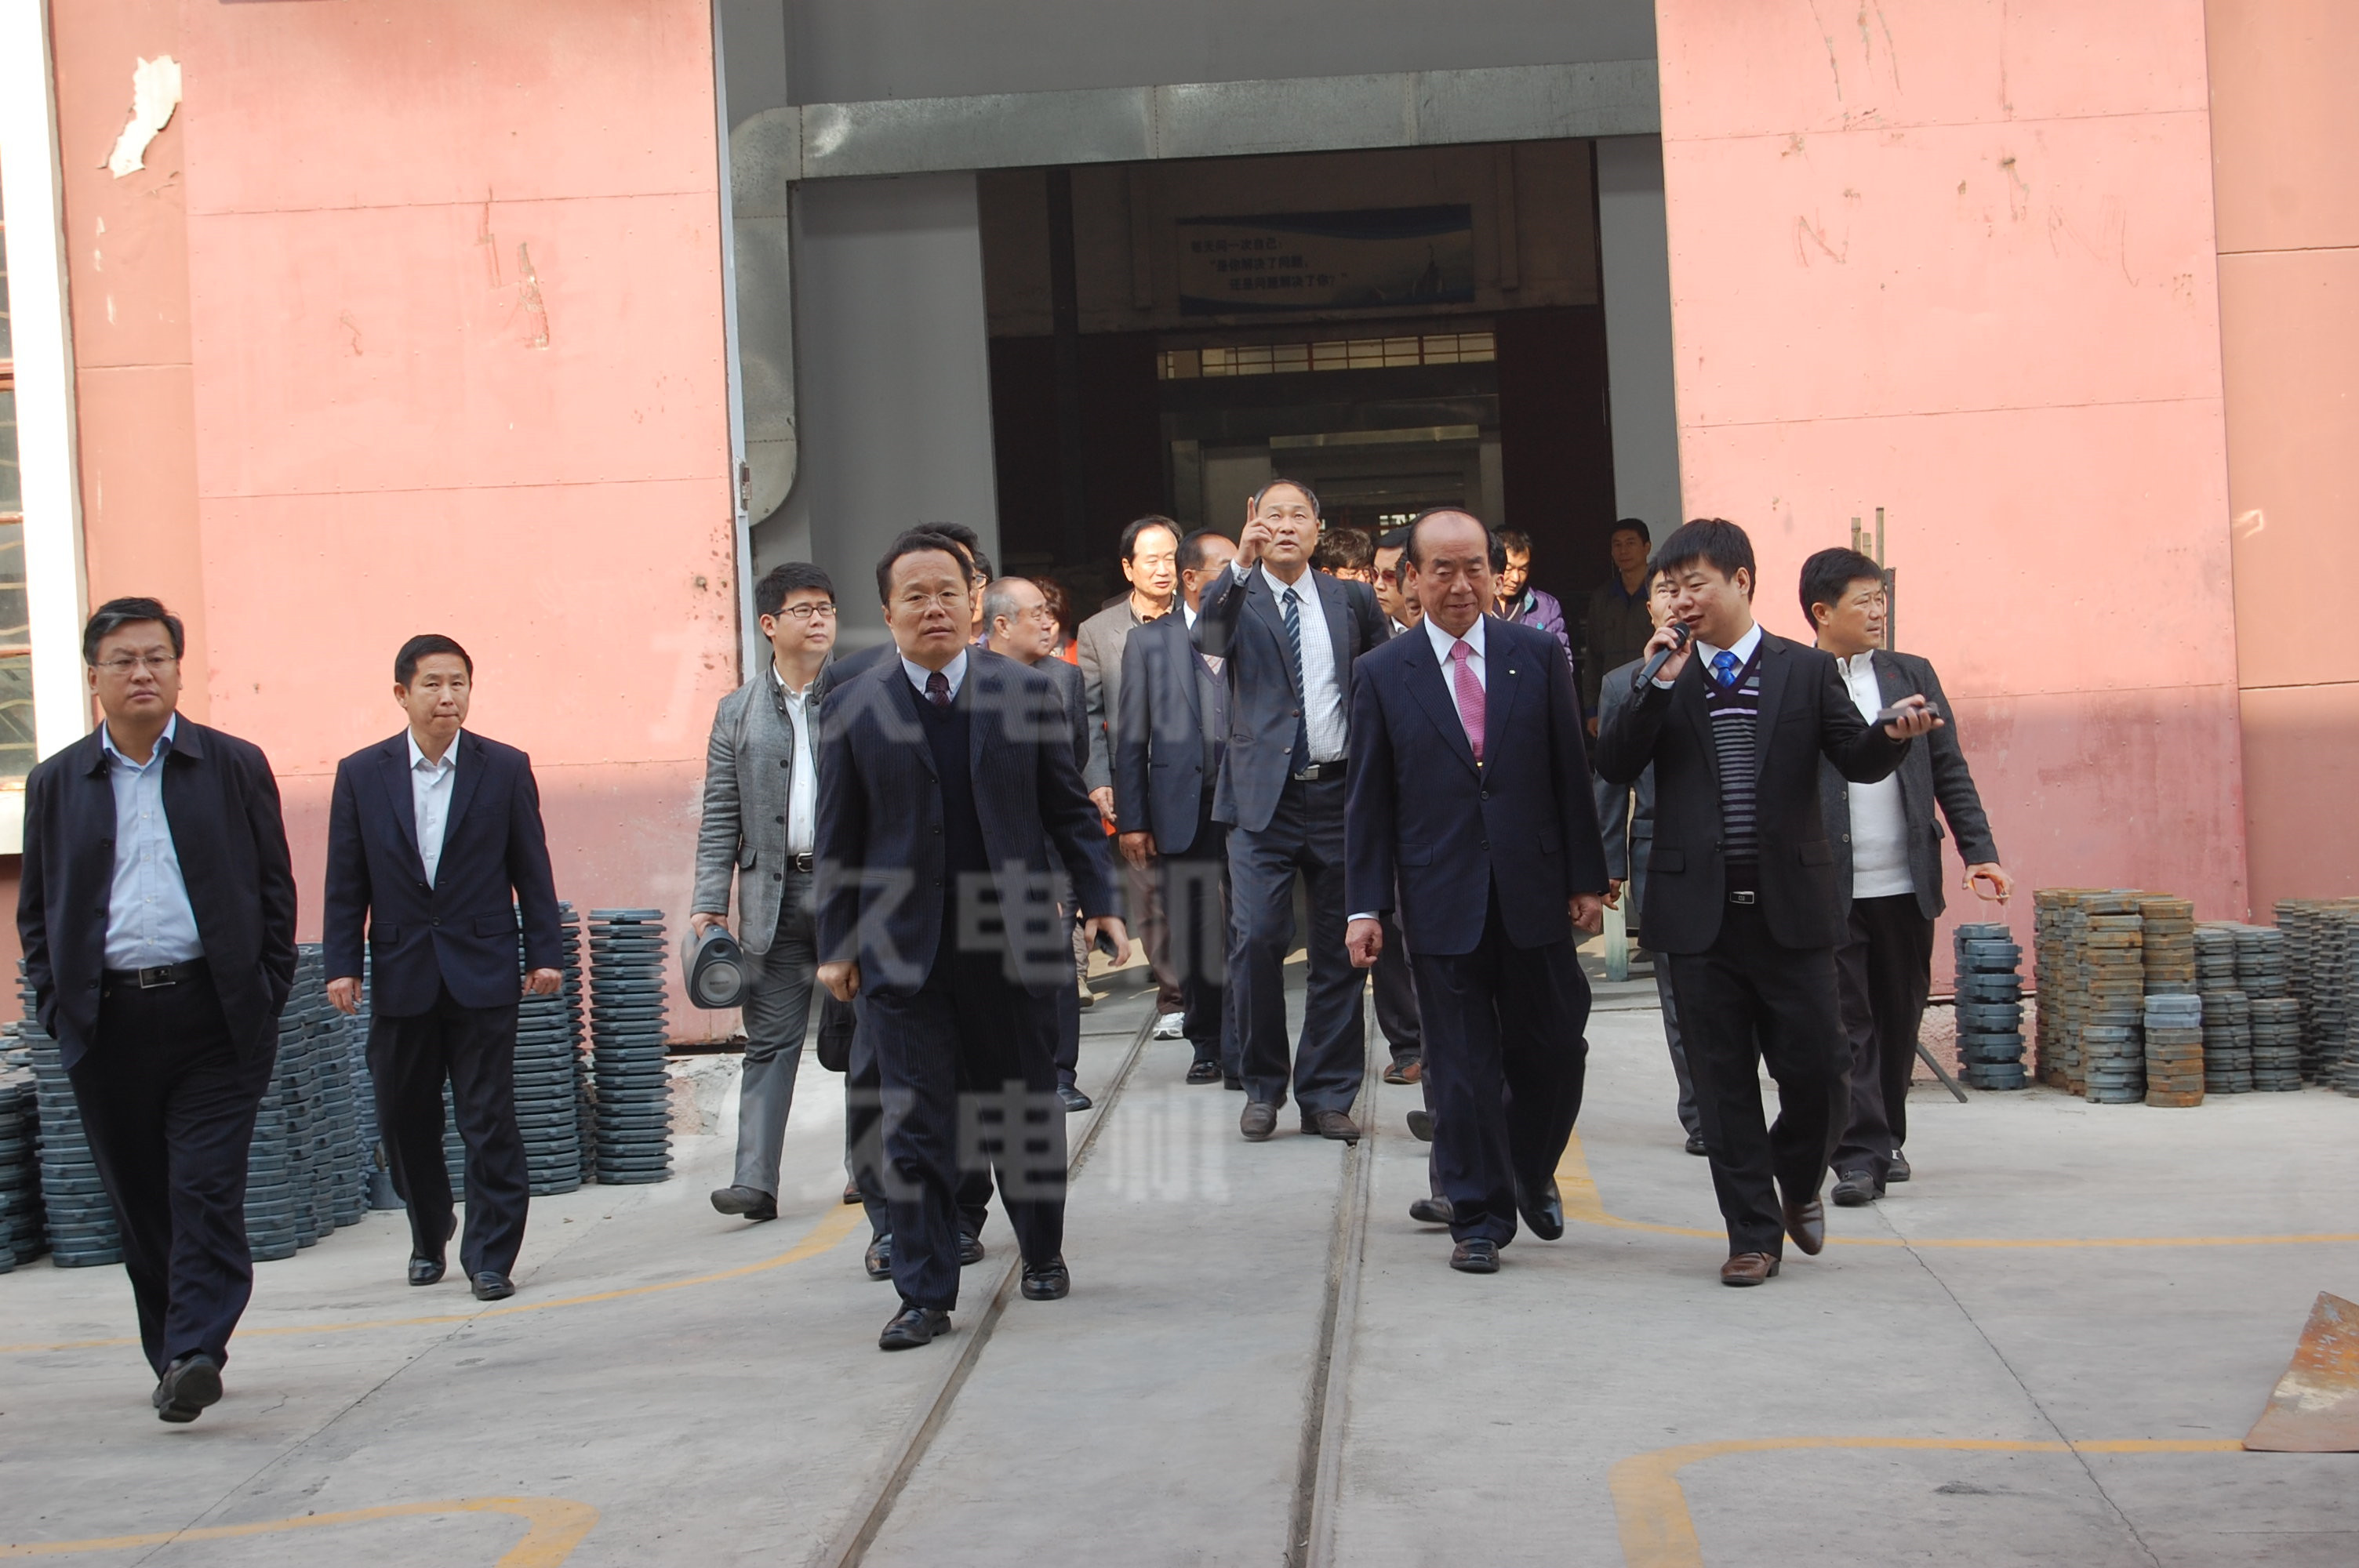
pixel 761 804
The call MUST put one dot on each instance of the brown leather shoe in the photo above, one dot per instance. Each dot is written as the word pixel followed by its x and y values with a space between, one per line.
pixel 1258 1122
pixel 1749 1269
pixel 1806 1224
pixel 1407 1072
pixel 1331 1124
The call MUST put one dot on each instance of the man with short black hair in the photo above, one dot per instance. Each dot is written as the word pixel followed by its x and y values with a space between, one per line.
pixel 1394 986
pixel 1740 892
pixel 1615 625
pixel 1888 867
pixel 1347 554
pixel 1400 610
pixel 157 909
pixel 760 817
pixel 1521 602
pixel 434 845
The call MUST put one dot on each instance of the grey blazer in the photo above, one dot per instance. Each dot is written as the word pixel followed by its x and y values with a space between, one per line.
pixel 1613 697
pixel 1934 772
pixel 749 767
pixel 1098 643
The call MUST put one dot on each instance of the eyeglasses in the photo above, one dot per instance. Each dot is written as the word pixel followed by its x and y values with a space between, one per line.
pixel 805 612
pixel 124 663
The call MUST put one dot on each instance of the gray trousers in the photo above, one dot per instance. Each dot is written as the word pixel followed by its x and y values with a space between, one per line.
pixel 778 1006
pixel 1688 1117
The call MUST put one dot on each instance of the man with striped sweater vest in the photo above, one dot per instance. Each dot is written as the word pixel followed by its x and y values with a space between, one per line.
pixel 1740 893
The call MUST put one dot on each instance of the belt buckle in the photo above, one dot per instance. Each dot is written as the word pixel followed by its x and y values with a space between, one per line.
pixel 1745 898
pixel 801 862
pixel 158 974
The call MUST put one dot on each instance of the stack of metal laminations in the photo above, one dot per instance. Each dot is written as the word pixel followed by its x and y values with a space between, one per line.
pixel 2333 934
pixel 627 1045
pixel 2167 930
pixel 2112 1057
pixel 307 1169
pixel 23 1236
pixel 2060 937
pixel 2227 1018
pixel 545 1092
pixel 81 1221
pixel 2174 1049
pixel 2261 975
pixel 585 1116
pixel 1990 1007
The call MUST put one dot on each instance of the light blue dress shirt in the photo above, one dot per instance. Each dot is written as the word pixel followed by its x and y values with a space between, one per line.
pixel 148 920
pixel 954 673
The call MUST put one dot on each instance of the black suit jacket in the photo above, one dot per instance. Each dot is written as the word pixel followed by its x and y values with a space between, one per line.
pixel 1806 714
pixel 1241 623
pixel 462 932
pixel 1934 773
pixel 222 805
pixel 1159 747
pixel 1522 820
pixel 879 865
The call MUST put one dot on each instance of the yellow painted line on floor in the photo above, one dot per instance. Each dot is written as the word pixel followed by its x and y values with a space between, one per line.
pixel 1578 1191
pixel 553 1527
pixel 832 1228
pixel 1652 1509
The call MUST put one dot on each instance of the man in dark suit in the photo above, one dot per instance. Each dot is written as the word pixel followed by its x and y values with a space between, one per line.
pixel 157 911
pixel 1289 636
pixel 946 779
pixel 1469 782
pixel 1168 739
pixel 434 843
pixel 1888 869
pixel 1394 988
pixel 1018 625
pixel 1740 892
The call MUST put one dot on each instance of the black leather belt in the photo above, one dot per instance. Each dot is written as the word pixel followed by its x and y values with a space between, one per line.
pixel 160 975
pixel 801 862
pixel 1316 772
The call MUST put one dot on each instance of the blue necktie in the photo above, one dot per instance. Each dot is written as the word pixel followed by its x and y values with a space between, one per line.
pixel 1291 604
pixel 1724 668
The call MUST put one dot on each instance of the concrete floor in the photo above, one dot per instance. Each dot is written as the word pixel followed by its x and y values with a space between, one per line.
pixel 1977 1371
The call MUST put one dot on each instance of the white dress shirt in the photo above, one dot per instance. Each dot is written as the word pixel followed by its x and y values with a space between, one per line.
pixel 802 778
pixel 1323 689
pixel 1879 823
pixel 1705 651
pixel 149 922
pixel 954 672
pixel 429 799
pixel 1443 642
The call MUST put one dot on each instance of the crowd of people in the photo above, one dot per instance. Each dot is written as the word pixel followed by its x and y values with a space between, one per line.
pixel 922 843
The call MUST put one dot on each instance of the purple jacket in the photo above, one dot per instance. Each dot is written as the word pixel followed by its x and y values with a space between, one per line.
pixel 1538 607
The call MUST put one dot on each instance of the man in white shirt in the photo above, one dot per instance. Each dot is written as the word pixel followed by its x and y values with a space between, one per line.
pixel 1887 851
pixel 761 803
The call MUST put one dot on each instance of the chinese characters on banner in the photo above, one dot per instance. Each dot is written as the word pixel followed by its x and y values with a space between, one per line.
pixel 1367 260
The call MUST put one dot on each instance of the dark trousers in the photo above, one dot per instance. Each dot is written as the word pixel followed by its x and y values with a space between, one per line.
pixel 1505 1060
pixel 168 1103
pixel 1068 1054
pixel 967 1041
pixel 475 1049
pixel 1195 893
pixel 1884 970
pixel 863 1139
pixel 1396 989
pixel 1688 1119
pixel 1744 1001
pixel 1305 835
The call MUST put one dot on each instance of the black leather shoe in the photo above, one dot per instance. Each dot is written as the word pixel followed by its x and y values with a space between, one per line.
pixel 1896 1169
pixel 1203 1072
pixel 1331 1124
pixel 1543 1211
pixel 879 1259
pixel 491 1287
pixel 852 1192
pixel 913 1326
pixel 970 1250
pixel 1432 1211
pixel 1420 1125
pixel 1258 1122
pixel 1856 1188
pixel 751 1201
pixel 1476 1257
pixel 1695 1144
pixel 188 1386
pixel 1049 1282
pixel 426 1270
pixel 1074 1097
pixel 1231 1081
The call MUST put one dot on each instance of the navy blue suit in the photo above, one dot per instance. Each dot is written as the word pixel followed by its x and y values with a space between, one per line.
pixel 443 979
pixel 1488 856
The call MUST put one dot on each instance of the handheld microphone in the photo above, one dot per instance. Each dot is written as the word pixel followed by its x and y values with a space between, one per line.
pixel 1648 671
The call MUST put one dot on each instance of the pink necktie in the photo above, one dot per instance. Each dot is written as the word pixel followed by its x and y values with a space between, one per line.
pixel 1470 695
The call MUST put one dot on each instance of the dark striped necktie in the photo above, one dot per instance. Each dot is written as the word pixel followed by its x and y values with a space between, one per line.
pixel 1292 605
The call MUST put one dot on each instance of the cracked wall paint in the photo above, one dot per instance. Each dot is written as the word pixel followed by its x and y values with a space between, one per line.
pixel 155 94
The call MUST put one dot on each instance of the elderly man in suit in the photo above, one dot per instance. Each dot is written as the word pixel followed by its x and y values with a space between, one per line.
pixel 157 909
pixel 948 800
pixel 1469 782
pixel 1741 889
pixel 1168 739
pixel 1018 624
pixel 1888 867
pixel 434 843
pixel 1150 562
pixel 1289 636
pixel 760 819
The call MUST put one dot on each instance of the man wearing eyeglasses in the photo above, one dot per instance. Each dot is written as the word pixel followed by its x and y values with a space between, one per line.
pixel 158 915
pixel 761 803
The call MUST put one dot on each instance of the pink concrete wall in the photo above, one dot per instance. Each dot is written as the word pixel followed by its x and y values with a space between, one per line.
pixel 1955 258
pixel 2284 121
pixel 455 307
